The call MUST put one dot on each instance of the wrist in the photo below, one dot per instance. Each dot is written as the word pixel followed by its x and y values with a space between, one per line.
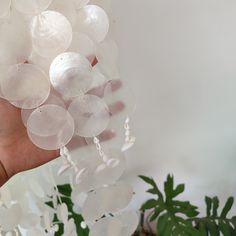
pixel 3 175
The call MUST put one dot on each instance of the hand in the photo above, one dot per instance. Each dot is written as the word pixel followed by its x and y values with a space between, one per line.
pixel 18 153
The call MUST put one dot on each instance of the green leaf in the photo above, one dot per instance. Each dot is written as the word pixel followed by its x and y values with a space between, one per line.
pixel 162 223
pixel 215 201
pixel 224 228
pixel 65 190
pixel 208 201
pixel 149 204
pixel 213 228
pixel 179 189
pixel 227 207
pixel 156 213
pixel 169 186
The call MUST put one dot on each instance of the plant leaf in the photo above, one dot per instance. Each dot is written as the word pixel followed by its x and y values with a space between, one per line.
pixel 227 207
pixel 149 204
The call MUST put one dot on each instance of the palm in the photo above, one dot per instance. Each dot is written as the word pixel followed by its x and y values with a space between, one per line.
pixel 18 153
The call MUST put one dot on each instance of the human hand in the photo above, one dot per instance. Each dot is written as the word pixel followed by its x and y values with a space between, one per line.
pixel 18 153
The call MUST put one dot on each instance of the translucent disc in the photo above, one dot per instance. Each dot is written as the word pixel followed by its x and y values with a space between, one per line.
pixel 107 55
pixel 31 7
pixel 105 4
pixel 14 49
pixel 26 85
pixel 80 3
pixel 52 99
pixel 93 21
pixel 110 173
pixel 106 227
pixel 70 73
pixel 50 127
pixel 91 115
pixel 51 33
pixel 100 173
pixel 66 8
pixel 4 8
pixel 107 200
pixel 130 221
pixel 82 44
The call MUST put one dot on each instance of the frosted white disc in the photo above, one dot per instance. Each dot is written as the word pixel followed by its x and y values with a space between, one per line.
pixel 107 55
pixel 4 8
pixel 81 43
pixel 31 7
pixel 110 174
pixel 106 227
pixel 70 73
pixel 66 8
pixel 91 115
pixel 26 85
pixel 52 99
pixel 51 33
pixel 48 120
pixel 14 49
pixel 107 200
pixel 80 3
pixel 130 221
pixel 50 127
pixel 93 21
pixel 104 4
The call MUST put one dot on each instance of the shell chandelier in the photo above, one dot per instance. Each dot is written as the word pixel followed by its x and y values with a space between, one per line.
pixel 58 64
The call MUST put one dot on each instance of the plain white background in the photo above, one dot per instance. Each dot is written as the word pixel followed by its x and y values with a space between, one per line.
pixel 179 57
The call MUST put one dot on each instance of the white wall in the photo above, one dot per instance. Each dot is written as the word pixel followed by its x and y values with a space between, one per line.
pixel 180 59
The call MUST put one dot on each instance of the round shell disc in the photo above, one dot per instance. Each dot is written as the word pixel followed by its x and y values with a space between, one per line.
pixel 81 43
pixel 26 85
pixel 107 226
pixel 31 7
pixel 51 33
pixel 91 115
pixel 50 127
pixel 93 21
pixel 52 99
pixel 70 73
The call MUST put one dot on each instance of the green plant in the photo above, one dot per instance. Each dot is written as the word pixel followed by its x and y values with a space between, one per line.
pixel 181 218
pixel 65 191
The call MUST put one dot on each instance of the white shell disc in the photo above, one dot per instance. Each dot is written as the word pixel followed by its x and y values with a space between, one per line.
pixel 51 33
pixel 14 49
pixel 52 99
pixel 70 74
pixel 31 7
pixel 26 85
pixel 107 200
pixel 80 3
pixel 50 127
pixel 130 221
pixel 4 8
pixel 106 227
pixel 91 115
pixel 81 43
pixel 93 21
pixel 66 8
